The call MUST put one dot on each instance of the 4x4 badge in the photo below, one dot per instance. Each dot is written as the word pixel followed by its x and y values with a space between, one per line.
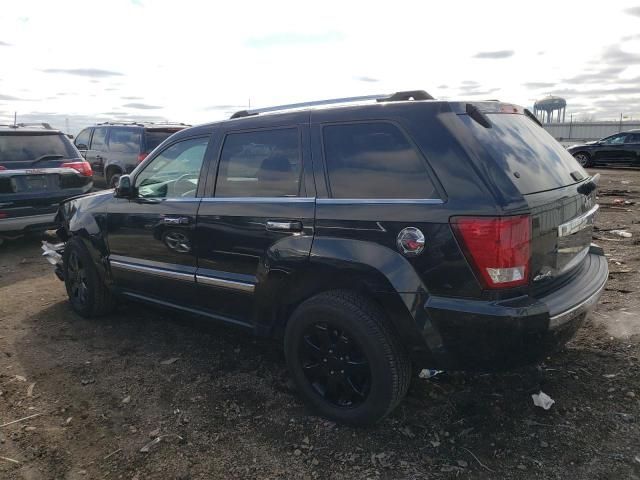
pixel 410 241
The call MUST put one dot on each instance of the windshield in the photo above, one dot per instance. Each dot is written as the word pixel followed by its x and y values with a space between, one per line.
pixel 20 147
pixel 518 145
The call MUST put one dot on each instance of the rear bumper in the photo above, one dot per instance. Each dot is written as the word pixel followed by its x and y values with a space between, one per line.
pixel 492 336
pixel 19 225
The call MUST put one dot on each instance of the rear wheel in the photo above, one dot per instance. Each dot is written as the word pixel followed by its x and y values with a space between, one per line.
pixel 113 179
pixel 88 295
pixel 344 358
pixel 583 159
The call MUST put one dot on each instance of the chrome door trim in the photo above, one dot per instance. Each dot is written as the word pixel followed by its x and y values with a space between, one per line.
pixel 259 200
pixel 185 277
pixel 224 283
pixel 379 201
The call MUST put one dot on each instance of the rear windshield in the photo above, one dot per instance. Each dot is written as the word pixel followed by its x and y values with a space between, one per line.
pixel 153 138
pixel 21 147
pixel 517 144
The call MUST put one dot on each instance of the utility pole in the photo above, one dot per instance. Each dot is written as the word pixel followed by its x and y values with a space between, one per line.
pixel 620 129
pixel 15 118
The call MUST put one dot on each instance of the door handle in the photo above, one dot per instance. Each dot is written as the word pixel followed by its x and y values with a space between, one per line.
pixel 176 220
pixel 284 226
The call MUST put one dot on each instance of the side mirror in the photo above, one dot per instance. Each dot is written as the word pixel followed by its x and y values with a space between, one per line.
pixel 82 146
pixel 124 188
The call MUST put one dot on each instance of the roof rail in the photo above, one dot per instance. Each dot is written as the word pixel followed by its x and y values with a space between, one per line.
pixel 395 97
pixel 35 124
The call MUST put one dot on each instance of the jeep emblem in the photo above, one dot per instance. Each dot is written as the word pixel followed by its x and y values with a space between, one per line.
pixel 410 241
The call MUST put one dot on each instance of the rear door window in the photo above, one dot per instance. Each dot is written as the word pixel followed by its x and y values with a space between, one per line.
pixel 125 140
pixel 374 160
pixel 263 163
pixel 518 145
pixel 633 138
pixel 99 140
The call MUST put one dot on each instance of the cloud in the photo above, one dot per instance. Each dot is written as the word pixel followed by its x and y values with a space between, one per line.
pixel 84 72
pixel 614 55
pixel 4 44
pixel 367 79
pixel 9 97
pixel 497 54
pixel 536 85
pixel 442 86
pixel 131 98
pixel 608 74
pixel 481 92
pixel 635 11
pixel 117 114
pixel 286 39
pixel 141 106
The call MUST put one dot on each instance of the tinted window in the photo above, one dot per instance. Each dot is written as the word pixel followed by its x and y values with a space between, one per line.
pixel 517 144
pixel 260 164
pixel 99 140
pixel 633 138
pixel 374 160
pixel 153 138
pixel 83 138
pixel 125 140
pixel 175 172
pixel 615 139
pixel 18 147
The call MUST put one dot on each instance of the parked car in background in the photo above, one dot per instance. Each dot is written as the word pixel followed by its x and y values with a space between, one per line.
pixel 39 168
pixel 370 235
pixel 114 148
pixel 621 149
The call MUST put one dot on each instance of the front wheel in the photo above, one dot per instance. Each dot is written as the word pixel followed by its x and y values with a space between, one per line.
pixel 88 294
pixel 345 359
pixel 583 159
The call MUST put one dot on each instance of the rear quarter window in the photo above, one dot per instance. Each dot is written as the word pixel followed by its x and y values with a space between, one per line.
pixel 125 140
pixel 374 160
pixel 518 145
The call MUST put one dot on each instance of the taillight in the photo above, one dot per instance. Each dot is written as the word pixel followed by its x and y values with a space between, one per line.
pixel 499 248
pixel 142 156
pixel 84 168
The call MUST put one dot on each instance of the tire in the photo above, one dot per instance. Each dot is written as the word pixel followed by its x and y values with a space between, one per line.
pixel 584 159
pixel 88 295
pixel 338 329
pixel 113 178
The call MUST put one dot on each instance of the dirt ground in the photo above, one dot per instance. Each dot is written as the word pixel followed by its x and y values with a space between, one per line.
pixel 149 394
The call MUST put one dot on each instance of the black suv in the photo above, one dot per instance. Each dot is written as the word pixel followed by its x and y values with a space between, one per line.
pixel 39 167
pixel 370 235
pixel 621 149
pixel 114 148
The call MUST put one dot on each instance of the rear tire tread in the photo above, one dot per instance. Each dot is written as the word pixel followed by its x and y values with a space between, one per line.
pixel 369 313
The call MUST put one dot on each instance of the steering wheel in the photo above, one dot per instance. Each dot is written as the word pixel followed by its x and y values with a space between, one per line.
pixel 183 186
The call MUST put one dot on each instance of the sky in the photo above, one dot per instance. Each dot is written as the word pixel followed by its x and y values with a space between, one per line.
pixel 78 62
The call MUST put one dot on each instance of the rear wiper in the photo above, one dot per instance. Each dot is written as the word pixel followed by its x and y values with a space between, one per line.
pixel 587 187
pixel 47 157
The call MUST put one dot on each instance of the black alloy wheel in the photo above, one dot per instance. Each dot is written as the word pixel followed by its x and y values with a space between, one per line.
pixel 77 281
pixel 335 365
pixel 583 159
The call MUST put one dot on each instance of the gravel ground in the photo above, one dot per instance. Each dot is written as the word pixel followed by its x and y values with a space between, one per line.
pixel 150 394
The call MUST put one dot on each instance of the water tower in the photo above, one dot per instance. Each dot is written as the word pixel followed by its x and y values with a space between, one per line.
pixel 547 107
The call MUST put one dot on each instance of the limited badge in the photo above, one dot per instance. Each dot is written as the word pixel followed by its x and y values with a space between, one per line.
pixel 410 241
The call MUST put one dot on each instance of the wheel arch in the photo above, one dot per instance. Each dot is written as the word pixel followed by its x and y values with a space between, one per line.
pixel 372 270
